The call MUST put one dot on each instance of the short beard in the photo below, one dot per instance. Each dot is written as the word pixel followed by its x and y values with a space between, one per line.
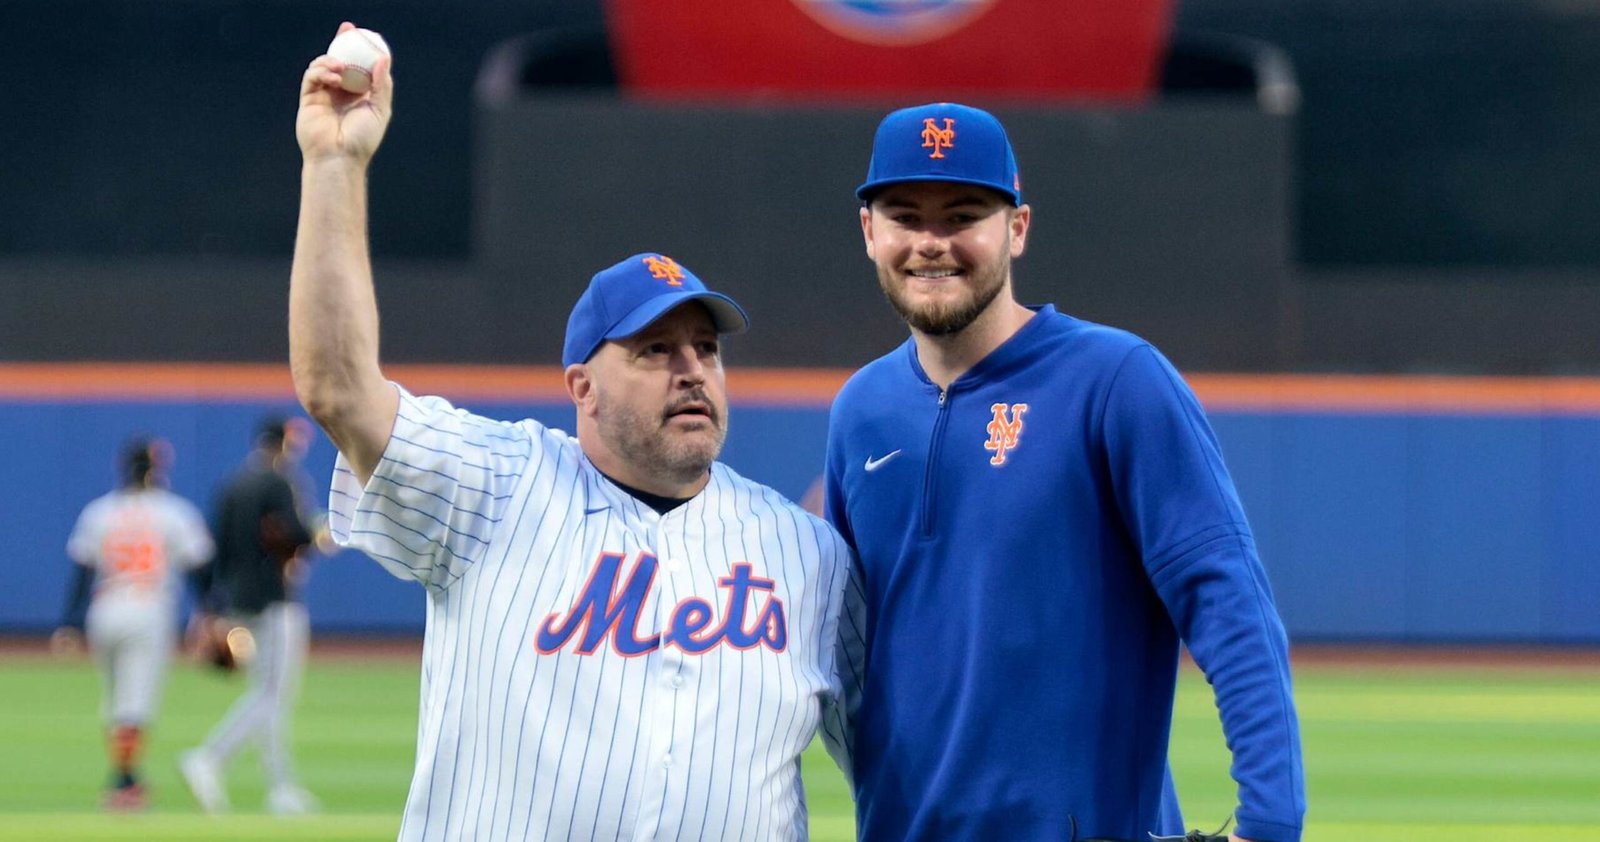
pixel 642 442
pixel 940 319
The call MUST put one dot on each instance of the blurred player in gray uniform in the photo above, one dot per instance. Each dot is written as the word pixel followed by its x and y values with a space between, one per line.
pixel 131 547
pixel 261 537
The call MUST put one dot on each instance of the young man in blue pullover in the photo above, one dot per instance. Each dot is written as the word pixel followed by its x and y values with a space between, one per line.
pixel 1042 515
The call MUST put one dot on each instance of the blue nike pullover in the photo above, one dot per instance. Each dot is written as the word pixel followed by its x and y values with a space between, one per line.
pixel 1034 543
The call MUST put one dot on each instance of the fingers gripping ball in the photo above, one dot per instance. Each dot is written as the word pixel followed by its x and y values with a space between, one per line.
pixel 358 50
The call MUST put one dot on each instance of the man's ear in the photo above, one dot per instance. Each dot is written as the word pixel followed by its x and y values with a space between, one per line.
pixel 866 231
pixel 581 388
pixel 1021 218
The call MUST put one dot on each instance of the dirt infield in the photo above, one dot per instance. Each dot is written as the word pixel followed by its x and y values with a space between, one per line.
pixel 1399 656
pixel 351 646
pixel 331 647
pixel 1310 655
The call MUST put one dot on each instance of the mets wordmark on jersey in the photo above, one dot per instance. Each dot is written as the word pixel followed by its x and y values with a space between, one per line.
pixel 594 669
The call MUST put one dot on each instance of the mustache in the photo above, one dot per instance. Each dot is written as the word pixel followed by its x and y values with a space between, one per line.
pixel 695 395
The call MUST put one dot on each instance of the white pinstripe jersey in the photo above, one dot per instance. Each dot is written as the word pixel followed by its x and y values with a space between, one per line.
pixel 592 669
pixel 140 542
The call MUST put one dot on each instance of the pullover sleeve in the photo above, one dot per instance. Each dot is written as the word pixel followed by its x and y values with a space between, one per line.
pixel 1180 507
pixel 839 713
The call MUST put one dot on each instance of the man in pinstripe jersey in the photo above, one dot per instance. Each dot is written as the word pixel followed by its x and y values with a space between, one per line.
pixel 625 638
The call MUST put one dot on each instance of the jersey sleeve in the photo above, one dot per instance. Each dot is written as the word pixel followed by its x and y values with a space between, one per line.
pixel 191 540
pixel 1180 508
pixel 849 665
pixel 442 485
pixel 289 532
pixel 850 647
pixel 83 545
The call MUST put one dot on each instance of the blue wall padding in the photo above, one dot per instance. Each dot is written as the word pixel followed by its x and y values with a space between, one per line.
pixel 1373 527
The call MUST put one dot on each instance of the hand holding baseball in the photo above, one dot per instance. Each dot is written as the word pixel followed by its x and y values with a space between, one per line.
pixel 335 121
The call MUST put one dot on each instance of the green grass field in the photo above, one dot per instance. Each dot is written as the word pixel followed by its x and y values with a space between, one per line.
pixel 1448 754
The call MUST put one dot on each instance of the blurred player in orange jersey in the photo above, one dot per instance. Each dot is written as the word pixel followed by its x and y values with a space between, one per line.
pixel 131 547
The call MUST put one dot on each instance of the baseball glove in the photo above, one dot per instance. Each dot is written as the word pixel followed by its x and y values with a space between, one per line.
pixel 219 654
pixel 1192 836
pixel 221 644
pixel 1197 836
pixel 216 651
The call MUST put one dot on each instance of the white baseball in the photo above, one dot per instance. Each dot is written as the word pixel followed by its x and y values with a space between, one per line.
pixel 358 50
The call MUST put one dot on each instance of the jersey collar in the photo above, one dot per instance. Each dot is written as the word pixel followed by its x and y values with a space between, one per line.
pixel 1015 352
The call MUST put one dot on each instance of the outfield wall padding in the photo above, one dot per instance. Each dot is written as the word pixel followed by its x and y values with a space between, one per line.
pixel 1471 518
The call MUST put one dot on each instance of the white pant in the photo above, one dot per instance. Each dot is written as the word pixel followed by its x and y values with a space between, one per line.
pixel 132 643
pixel 282 633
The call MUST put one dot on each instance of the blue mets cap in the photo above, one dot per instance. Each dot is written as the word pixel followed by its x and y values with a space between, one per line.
pixel 626 298
pixel 942 141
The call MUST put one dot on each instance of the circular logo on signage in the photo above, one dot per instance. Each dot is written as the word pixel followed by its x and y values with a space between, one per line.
pixel 897 22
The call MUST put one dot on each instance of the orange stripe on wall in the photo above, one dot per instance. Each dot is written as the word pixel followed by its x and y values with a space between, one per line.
pixel 141 381
pixel 1398 394
pixel 70 382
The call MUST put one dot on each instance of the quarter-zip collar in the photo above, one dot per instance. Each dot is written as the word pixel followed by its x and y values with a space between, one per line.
pixel 1015 353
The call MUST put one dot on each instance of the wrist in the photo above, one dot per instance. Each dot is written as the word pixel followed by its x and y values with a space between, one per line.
pixel 335 158
pixel 334 162
pixel 338 173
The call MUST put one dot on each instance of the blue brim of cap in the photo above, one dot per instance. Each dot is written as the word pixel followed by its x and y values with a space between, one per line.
pixel 866 191
pixel 726 314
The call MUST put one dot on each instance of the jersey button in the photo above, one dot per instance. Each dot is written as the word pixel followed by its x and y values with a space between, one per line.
pixel 677 681
pixel 667 760
pixel 673 565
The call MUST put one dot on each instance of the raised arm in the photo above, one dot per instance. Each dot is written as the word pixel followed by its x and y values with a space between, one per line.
pixel 333 311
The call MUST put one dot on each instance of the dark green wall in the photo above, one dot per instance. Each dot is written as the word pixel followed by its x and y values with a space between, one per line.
pixel 149 127
pixel 1432 206
pixel 1438 132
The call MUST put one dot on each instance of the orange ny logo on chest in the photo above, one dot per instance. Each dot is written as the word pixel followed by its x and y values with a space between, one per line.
pixel 1005 431
pixel 601 612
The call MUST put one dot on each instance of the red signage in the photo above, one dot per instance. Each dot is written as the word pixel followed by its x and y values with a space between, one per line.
pixel 869 49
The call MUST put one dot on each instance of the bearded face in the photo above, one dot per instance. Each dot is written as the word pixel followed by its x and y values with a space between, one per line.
pixel 942 251
pixel 678 441
pixel 941 304
pixel 659 402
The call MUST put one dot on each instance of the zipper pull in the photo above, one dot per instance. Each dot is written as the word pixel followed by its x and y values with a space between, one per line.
pixel 942 393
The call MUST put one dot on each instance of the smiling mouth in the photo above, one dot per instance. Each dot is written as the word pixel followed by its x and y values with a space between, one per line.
pixel 934 274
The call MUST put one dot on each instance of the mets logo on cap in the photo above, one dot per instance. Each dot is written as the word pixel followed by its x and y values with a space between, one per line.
pixel 897 22
pixel 936 137
pixel 664 268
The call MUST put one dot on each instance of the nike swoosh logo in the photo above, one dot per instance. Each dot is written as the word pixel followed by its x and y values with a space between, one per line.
pixel 875 464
